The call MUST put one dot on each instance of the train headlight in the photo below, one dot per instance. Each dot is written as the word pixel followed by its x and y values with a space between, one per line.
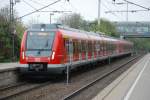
pixel 42 29
pixel 23 56
pixel 53 55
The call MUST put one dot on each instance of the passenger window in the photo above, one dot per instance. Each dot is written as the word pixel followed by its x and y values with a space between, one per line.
pixel 79 46
pixel 97 45
pixel 83 46
pixel 75 47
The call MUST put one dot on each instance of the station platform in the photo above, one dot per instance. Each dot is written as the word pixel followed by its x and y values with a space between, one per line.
pixel 5 66
pixel 134 84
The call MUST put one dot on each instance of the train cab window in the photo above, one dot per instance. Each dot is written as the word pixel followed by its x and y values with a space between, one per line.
pixel 45 40
pixel 39 43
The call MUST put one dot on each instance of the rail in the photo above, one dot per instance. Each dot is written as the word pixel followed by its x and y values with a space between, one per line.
pixel 75 93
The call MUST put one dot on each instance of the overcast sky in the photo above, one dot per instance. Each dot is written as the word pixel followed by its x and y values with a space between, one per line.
pixel 86 8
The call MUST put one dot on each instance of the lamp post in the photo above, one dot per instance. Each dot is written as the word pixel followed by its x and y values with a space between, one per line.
pixel 99 9
pixel 12 27
pixel 51 17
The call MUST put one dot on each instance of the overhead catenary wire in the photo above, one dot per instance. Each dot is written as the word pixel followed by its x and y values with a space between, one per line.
pixel 29 4
pixel 62 5
pixel 35 2
pixel 38 9
pixel 38 3
pixel 73 7
pixel 112 12
pixel 119 16
pixel 56 11
pixel 136 4
pixel 132 11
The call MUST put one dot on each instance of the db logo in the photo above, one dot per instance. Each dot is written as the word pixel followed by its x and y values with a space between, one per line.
pixel 37 59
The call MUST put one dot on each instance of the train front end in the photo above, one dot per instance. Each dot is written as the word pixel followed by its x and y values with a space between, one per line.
pixel 38 51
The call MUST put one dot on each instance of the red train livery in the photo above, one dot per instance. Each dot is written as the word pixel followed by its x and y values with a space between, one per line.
pixel 50 48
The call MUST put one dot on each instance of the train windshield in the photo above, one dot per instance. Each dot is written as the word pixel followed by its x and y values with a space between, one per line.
pixel 39 40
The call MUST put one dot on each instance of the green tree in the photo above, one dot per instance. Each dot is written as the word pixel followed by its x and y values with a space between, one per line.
pixel 6 36
pixel 105 26
pixel 73 20
pixel 141 44
pixel 76 21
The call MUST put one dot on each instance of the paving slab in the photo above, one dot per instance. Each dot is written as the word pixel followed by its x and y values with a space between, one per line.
pixel 133 84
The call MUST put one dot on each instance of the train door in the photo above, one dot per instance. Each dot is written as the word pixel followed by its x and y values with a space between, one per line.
pixel 86 46
pixel 99 53
pixel 109 47
pixel 101 47
pixel 80 50
pixel 83 49
pixel 97 49
pixel 89 49
pixel 104 47
pixel 93 49
pixel 69 50
pixel 75 50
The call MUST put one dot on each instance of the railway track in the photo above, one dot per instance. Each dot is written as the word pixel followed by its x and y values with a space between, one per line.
pixel 57 90
pixel 7 87
pixel 90 84
pixel 18 89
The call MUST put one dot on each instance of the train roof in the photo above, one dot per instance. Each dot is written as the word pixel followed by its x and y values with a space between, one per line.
pixel 46 27
pixel 76 33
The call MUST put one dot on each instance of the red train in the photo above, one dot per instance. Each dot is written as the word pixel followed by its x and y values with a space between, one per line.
pixel 49 48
